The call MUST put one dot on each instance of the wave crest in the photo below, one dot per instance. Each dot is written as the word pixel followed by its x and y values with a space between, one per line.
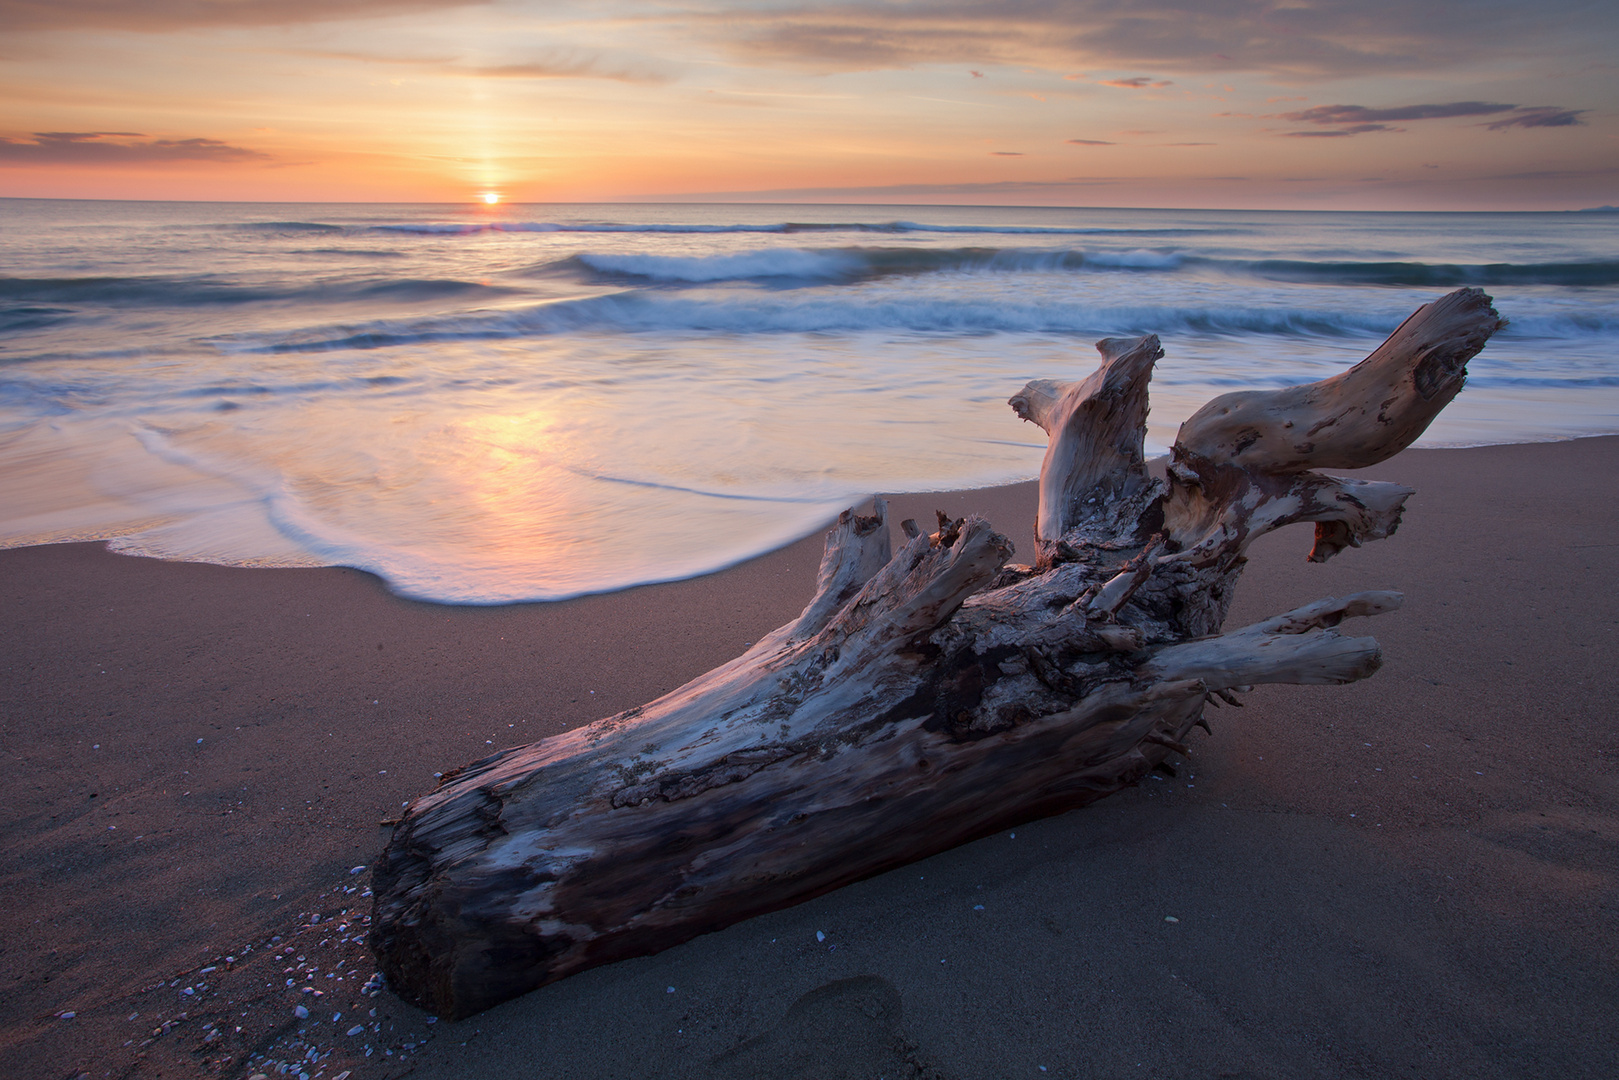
pixel 653 312
pixel 180 291
pixel 855 263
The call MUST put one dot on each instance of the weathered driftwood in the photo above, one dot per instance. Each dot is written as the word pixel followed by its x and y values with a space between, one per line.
pixel 926 697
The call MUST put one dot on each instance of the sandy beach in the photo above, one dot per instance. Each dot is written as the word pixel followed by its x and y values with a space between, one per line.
pixel 1416 875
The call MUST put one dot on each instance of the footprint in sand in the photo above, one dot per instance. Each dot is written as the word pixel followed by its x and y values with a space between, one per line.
pixel 845 1030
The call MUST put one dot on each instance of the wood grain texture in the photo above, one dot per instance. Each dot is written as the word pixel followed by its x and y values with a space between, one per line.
pixel 925 697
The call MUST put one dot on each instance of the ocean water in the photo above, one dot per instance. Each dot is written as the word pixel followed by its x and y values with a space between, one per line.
pixel 487 405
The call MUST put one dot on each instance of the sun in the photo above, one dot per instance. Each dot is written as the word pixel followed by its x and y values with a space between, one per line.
pixel 490 198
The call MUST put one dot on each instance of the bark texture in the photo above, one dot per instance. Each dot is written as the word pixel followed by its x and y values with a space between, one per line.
pixel 925 697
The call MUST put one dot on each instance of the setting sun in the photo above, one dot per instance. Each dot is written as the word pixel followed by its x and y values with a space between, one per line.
pixel 490 198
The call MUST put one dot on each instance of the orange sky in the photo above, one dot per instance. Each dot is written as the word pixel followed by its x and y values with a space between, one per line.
pixel 1373 104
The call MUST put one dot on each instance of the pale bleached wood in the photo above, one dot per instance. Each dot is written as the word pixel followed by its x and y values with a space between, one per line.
pixel 925 697
pixel 1367 414
pixel 856 549
pixel 1093 483
pixel 1241 463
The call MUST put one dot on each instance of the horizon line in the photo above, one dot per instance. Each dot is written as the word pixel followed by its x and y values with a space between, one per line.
pixel 699 201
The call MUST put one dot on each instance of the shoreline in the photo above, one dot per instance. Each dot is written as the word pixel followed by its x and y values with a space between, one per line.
pixel 1438 934
pixel 963 497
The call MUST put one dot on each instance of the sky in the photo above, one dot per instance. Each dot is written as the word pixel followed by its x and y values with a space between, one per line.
pixel 1269 104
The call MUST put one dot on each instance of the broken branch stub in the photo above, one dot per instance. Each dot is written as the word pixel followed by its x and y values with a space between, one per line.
pixel 1241 463
pixel 926 696
pixel 1094 487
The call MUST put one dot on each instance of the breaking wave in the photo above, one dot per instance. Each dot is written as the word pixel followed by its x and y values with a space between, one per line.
pixel 188 291
pixel 1436 275
pixel 653 312
pixel 860 263
pixel 855 263
pixel 471 228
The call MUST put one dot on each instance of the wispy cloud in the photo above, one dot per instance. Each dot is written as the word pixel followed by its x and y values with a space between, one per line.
pixel 1001 187
pixel 1340 133
pixel 1311 39
pixel 1092 142
pixel 161 15
pixel 1360 114
pixel 92 148
pixel 585 67
pixel 1139 82
pixel 1533 116
pixel 550 64
pixel 1341 121
pixel 359 56
pixel 1006 153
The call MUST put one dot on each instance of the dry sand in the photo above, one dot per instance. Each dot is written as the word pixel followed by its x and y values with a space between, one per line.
pixel 1417 875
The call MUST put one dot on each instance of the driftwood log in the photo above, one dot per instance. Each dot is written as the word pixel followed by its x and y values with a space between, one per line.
pixel 925 697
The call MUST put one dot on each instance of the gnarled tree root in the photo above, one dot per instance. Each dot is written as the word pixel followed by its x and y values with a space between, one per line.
pixel 925 697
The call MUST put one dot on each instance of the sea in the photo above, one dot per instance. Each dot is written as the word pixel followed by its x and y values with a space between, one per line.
pixel 489 405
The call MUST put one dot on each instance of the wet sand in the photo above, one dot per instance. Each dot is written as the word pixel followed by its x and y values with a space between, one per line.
pixel 1414 875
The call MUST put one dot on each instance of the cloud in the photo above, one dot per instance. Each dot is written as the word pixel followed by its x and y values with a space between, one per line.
pixel 1139 82
pixel 565 68
pixel 92 148
pixel 1006 153
pixel 1549 174
pixel 1360 114
pixel 1283 38
pixel 997 187
pixel 76 136
pixel 554 64
pixel 1358 119
pixel 164 15
pixel 1339 133
pixel 1091 142
pixel 418 61
pixel 1309 38
pixel 1533 116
